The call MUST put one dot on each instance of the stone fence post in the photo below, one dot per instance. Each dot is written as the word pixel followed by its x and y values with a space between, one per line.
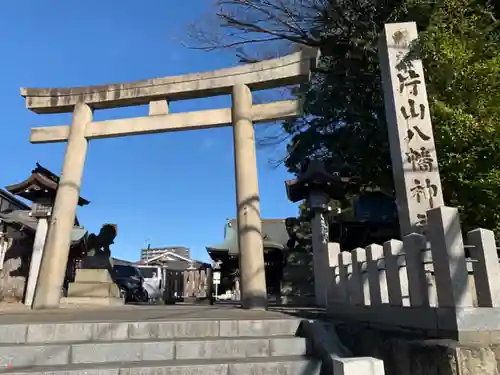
pixel 414 244
pixel 345 260
pixel 395 286
pixel 485 267
pixel 359 282
pixel 376 275
pixel 448 256
pixel 333 263
pixel 358 366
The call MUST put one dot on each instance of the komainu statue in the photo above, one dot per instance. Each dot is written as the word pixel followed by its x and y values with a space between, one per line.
pixel 99 252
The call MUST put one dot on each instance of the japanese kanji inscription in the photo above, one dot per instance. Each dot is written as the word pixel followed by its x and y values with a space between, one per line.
pixel 413 152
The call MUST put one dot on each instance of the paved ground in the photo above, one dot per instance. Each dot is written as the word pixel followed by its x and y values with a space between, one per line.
pixel 152 313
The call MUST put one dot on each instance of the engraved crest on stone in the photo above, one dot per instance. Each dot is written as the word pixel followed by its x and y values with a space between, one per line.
pixel 400 38
pixel 324 230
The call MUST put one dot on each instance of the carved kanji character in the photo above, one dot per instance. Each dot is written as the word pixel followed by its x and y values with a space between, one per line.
pixel 426 191
pixel 421 160
pixel 416 130
pixel 411 80
pixel 413 110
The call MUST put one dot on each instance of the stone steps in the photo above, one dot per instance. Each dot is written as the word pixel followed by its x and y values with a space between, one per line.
pixel 34 333
pixel 267 346
pixel 21 355
pixel 289 365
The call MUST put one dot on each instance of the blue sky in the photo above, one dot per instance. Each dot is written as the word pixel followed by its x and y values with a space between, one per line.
pixel 173 188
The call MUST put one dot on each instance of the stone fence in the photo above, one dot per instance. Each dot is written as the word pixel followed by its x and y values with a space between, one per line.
pixel 422 282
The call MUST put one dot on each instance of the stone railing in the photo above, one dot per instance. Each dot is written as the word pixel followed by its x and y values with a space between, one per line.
pixel 423 283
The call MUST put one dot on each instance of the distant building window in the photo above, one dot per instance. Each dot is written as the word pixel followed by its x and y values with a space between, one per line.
pixel 148 272
pixel 125 271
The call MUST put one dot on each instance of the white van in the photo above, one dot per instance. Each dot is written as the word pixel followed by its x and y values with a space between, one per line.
pixel 153 281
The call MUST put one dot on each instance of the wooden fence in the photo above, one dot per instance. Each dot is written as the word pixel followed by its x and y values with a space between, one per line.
pixel 188 286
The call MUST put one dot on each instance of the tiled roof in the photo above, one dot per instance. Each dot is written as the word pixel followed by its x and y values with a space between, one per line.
pixel 40 178
pixel 12 201
pixel 273 231
pixel 23 217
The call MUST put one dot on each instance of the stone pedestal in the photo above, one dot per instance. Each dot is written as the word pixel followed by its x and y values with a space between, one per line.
pixel 324 257
pixel 99 261
pixel 94 287
pixel 297 286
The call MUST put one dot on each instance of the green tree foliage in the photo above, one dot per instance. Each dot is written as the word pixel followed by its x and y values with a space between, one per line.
pixel 461 52
pixel 344 120
pixel 460 48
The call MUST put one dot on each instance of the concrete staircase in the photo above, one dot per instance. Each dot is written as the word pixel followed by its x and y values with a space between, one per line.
pixel 189 347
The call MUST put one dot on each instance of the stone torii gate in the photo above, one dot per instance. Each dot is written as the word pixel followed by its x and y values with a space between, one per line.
pixel 237 81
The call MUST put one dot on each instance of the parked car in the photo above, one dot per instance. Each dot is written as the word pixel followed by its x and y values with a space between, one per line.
pixel 130 282
pixel 153 281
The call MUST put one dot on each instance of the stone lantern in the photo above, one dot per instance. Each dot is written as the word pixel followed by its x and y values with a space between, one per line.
pixel 318 187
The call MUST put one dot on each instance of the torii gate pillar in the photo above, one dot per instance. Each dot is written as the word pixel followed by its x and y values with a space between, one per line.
pixel 62 220
pixel 250 243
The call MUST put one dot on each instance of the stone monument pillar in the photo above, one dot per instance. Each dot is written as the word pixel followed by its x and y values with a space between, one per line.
pixel 413 152
pixel 251 247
